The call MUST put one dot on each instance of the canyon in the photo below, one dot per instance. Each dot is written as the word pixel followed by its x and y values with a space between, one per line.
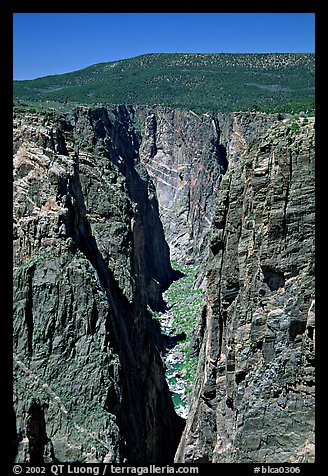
pixel 106 199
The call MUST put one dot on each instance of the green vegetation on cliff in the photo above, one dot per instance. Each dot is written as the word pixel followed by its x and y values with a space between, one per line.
pixel 271 82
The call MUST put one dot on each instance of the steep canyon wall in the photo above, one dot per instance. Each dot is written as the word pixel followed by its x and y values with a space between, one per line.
pixel 254 392
pixel 103 199
pixel 185 159
pixel 89 257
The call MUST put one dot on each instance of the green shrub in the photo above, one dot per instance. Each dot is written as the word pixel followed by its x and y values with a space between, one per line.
pixel 294 127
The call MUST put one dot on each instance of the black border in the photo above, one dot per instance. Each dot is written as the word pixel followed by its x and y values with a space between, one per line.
pixel 6 191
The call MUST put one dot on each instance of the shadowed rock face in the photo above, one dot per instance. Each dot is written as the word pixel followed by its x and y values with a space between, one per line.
pixel 253 399
pixel 89 381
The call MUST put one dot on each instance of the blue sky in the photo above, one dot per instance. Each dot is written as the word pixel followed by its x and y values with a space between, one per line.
pixel 55 43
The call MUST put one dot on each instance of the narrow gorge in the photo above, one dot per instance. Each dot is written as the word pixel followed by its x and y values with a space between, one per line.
pixel 157 249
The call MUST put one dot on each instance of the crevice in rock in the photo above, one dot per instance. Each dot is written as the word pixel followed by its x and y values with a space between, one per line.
pixel 273 278
pixel 112 403
pixel 229 402
pixel 221 151
pixel 216 244
pixel 93 318
pixel 36 432
pixel 310 331
pixel 230 293
pixel 258 345
pixel 240 376
pixel 222 158
pixel 296 328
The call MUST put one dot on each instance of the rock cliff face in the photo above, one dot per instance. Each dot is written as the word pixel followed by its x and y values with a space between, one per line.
pixel 253 399
pixel 95 191
pixel 183 155
pixel 89 257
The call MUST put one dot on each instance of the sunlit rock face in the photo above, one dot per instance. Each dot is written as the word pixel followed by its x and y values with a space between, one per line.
pixel 185 159
pixel 253 399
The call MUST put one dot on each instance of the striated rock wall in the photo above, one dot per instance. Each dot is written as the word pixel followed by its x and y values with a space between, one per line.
pixel 185 159
pixel 89 381
pixel 253 399
pixel 186 155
